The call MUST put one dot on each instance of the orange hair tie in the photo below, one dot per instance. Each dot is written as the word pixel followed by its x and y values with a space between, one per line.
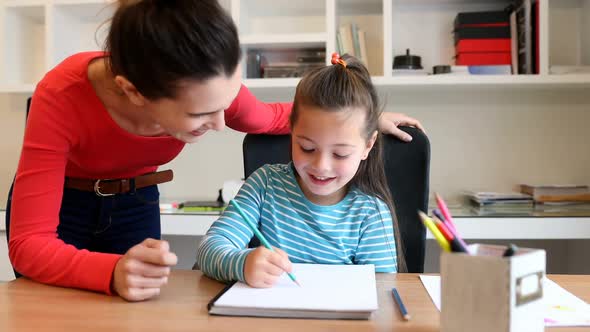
pixel 336 59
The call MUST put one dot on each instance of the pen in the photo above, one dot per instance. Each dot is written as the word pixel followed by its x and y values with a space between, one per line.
pixel 456 245
pixel 400 304
pixel 444 244
pixel 259 235
pixel 445 212
pixel 436 212
pixel 452 230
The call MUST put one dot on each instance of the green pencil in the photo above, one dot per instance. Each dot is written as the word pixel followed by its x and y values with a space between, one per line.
pixel 259 235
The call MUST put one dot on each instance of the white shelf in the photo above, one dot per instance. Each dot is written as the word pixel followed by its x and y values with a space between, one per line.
pixel 473 81
pixel 507 81
pixel 569 29
pixel 280 16
pixel 285 40
pixel 537 228
pixel 483 81
pixel 484 228
pixel 271 82
pixel 24 48
pixel 76 27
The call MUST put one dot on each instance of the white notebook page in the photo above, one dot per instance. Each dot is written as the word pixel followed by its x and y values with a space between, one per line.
pixel 323 287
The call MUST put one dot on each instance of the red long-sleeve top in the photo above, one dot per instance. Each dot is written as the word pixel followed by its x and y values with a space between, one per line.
pixel 70 133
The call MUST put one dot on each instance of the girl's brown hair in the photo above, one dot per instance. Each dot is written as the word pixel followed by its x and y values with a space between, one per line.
pixel 159 44
pixel 348 87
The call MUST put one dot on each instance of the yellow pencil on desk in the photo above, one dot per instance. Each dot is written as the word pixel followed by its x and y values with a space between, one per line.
pixel 259 235
pixel 444 244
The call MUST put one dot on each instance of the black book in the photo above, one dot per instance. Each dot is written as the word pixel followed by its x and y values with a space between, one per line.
pixel 478 18
pixel 482 33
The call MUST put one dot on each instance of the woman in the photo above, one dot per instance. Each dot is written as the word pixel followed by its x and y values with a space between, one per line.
pixel 84 210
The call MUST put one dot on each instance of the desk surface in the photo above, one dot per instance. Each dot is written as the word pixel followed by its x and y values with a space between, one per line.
pixel 30 306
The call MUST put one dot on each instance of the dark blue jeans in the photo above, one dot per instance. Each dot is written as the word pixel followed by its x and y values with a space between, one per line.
pixel 110 224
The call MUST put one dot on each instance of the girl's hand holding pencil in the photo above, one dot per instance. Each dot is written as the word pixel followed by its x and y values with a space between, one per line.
pixel 263 267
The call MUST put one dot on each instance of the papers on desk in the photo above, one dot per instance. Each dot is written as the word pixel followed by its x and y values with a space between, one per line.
pixel 327 291
pixel 432 285
pixel 562 307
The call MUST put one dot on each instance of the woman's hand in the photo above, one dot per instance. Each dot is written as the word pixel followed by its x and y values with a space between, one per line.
pixel 389 122
pixel 263 267
pixel 141 272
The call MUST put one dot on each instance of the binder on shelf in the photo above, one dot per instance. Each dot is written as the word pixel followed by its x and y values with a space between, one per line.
pixel 524 29
pixel 514 43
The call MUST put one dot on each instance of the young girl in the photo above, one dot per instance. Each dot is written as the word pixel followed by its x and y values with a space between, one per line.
pixel 330 205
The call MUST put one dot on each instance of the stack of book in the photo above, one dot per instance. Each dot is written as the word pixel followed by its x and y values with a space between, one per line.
pixel 497 203
pixel 280 63
pixel 483 38
pixel 570 196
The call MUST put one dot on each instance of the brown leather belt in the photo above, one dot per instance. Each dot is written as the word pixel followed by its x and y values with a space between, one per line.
pixel 109 187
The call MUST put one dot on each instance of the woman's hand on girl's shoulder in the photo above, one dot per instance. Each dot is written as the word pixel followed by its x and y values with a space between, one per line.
pixel 389 122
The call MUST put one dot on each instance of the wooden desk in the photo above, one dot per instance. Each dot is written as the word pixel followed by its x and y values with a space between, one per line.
pixel 30 306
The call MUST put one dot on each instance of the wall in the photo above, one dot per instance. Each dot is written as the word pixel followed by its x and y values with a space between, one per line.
pixel 12 115
pixel 481 140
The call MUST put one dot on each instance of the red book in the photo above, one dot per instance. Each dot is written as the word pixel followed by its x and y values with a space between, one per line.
pixel 483 45
pixel 492 58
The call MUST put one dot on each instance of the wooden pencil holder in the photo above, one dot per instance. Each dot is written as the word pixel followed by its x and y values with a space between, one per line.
pixel 488 292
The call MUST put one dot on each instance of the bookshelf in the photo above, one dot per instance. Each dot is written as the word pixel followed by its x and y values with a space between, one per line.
pixel 37 34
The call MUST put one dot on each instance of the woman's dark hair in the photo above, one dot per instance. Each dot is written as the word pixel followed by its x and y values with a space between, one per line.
pixel 160 44
pixel 340 88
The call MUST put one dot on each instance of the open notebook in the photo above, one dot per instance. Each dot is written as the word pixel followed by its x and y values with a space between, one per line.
pixel 327 291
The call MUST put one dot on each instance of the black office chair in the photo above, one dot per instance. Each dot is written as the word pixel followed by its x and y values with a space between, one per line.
pixel 407 167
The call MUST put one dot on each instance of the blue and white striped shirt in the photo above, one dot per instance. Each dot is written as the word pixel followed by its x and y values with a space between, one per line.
pixel 357 230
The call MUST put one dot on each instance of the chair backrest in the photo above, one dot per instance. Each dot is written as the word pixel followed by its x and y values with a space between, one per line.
pixel 407 167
